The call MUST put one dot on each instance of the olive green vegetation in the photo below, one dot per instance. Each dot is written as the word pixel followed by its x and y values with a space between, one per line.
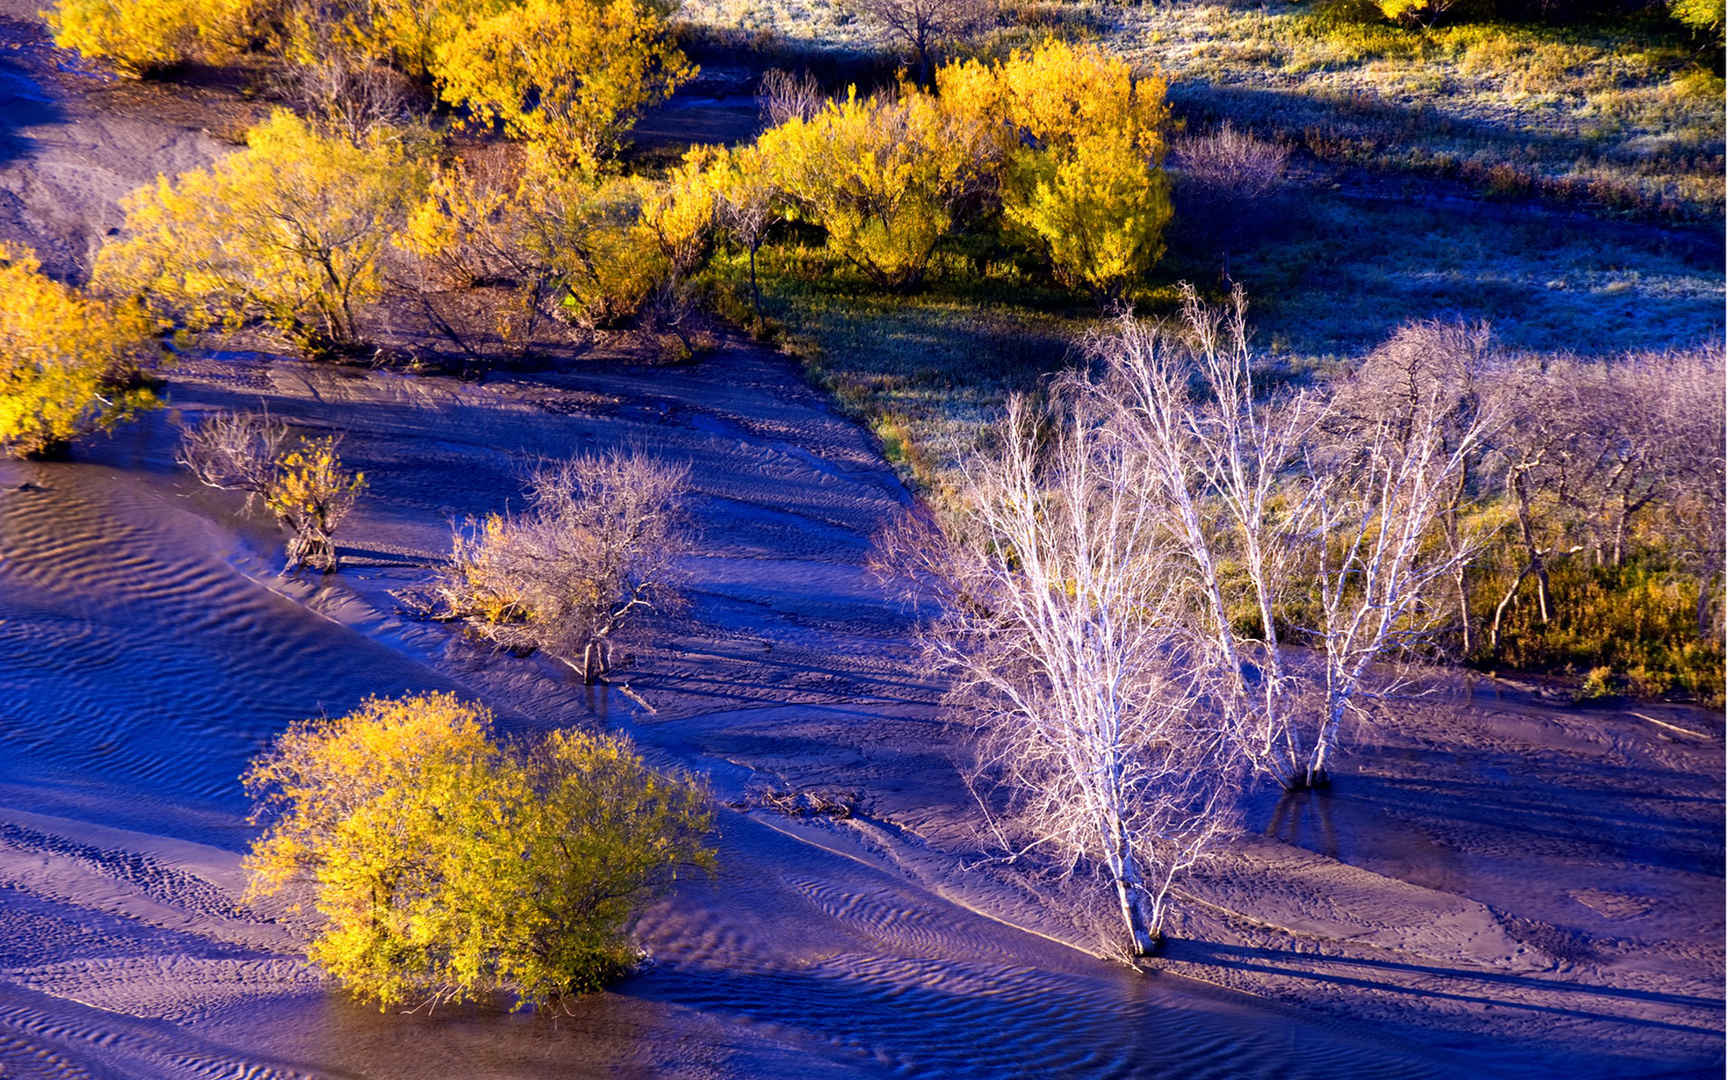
pixel 446 866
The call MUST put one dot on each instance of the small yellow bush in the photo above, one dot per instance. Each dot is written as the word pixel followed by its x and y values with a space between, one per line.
pixel 143 37
pixel 1096 208
pixel 444 866
pixel 287 232
pixel 595 249
pixel 68 363
pixel 607 259
pixel 311 493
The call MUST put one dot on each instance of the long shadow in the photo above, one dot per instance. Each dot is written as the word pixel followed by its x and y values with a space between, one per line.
pixel 24 102
pixel 1299 965
pixel 1377 117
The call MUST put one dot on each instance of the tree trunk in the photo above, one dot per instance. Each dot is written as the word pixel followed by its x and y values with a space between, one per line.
pixel 755 291
pixel 1500 609
pixel 1323 743
pixel 1521 500
pixel 1469 642
pixel 1131 898
pixel 1620 532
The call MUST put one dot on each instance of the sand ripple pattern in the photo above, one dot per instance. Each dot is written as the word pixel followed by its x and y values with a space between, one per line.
pixel 128 637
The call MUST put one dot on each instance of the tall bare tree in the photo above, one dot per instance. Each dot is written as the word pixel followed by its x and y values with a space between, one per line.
pixel 1382 486
pixel 1296 527
pixel 1054 585
pixel 1456 370
pixel 1216 461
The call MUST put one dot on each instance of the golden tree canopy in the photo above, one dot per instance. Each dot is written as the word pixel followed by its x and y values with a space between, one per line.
pixel 567 76
pixel 288 232
pixel 446 867
pixel 68 362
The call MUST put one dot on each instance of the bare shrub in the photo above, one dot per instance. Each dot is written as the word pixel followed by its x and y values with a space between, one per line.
pixel 1232 165
pixel 1225 182
pixel 597 547
pixel 1056 588
pixel 785 96
pixel 234 451
pixel 304 485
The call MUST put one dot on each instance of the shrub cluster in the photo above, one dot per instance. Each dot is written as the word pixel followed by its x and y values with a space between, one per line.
pixel 447 867
pixel 303 484
pixel 1061 143
pixel 568 75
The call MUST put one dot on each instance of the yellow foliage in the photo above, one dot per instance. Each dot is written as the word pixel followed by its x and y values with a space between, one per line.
pixel 598 248
pixel 444 867
pixel 141 37
pixel 68 363
pixel 402 33
pixel 1084 141
pixel 1097 209
pixel 681 212
pixel 568 76
pixel 287 232
pixel 881 176
pixel 310 493
pixel 467 225
pixel 1058 93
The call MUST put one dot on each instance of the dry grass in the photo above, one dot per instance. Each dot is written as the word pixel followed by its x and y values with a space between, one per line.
pixel 1621 117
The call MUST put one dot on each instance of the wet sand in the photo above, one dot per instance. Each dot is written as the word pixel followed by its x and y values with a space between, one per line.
pixel 147 649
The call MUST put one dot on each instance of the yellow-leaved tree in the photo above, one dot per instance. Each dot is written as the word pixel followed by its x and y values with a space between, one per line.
pixel 444 866
pixel 287 233
pixel 882 176
pixel 145 37
pixel 588 250
pixel 569 77
pixel 404 34
pixel 1084 147
pixel 69 363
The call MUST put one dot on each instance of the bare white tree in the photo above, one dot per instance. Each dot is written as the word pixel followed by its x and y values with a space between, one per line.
pixel 1301 533
pixel 1218 462
pixel 1054 584
pixel 597 548
pixel 1382 486
pixel 1458 369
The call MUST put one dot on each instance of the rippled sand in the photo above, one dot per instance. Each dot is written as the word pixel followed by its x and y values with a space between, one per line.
pixel 147 649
